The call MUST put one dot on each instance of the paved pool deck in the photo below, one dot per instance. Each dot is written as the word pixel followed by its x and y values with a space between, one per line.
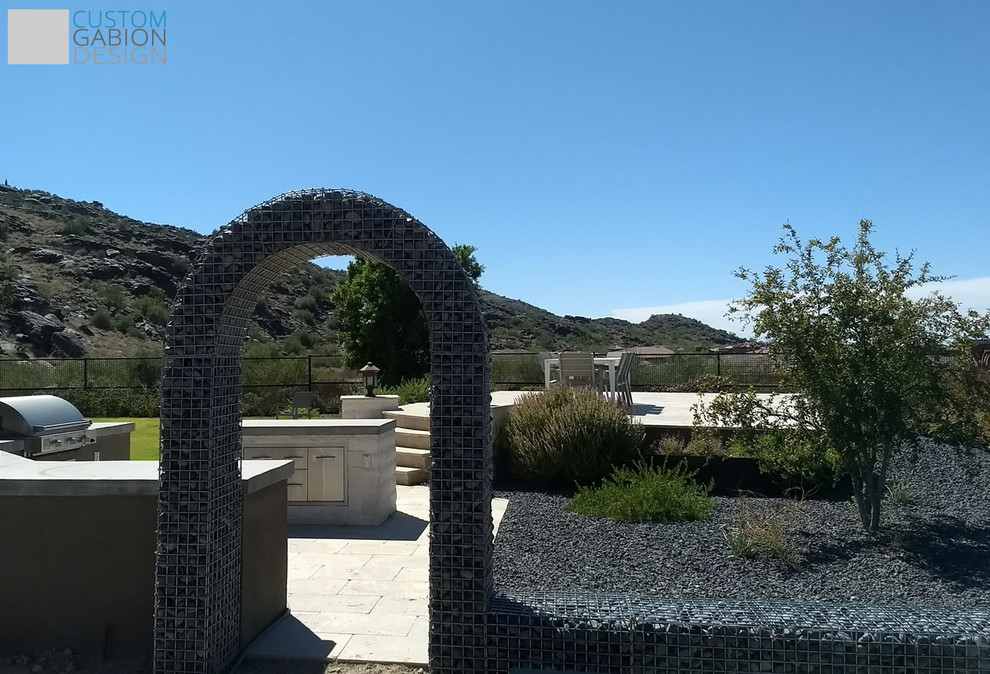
pixel 359 593
pixel 662 410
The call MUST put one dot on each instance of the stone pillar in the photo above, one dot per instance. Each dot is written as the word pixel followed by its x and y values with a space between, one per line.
pixel 363 407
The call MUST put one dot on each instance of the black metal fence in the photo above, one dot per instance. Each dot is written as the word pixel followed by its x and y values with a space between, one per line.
pixel 673 372
pixel 101 373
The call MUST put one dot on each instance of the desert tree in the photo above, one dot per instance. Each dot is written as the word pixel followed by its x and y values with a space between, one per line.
pixel 874 362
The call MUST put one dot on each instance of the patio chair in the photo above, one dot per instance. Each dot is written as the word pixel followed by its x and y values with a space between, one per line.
pixel 301 400
pixel 577 370
pixel 623 378
pixel 602 370
pixel 543 357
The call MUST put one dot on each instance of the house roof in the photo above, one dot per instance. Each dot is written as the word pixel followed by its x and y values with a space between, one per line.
pixel 648 350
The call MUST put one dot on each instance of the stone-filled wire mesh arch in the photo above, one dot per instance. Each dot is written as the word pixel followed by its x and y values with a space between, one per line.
pixel 197 575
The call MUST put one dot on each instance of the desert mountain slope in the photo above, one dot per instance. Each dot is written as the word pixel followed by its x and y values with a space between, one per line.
pixel 87 281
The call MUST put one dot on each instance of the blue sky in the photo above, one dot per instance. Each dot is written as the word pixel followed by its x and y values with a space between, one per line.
pixel 606 158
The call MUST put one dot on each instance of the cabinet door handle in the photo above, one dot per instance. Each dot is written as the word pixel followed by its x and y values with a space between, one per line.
pixel 293 456
pixel 326 457
pixel 295 484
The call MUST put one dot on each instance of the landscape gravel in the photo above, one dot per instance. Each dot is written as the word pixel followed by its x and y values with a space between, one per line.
pixel 934 551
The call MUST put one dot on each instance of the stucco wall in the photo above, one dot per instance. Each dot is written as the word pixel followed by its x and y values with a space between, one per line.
pixel 78 572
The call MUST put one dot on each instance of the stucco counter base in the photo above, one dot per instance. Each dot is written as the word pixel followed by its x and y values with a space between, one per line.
pixel 344 468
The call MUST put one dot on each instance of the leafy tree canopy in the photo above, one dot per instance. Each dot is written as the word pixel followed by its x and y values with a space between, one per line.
pixel 380 319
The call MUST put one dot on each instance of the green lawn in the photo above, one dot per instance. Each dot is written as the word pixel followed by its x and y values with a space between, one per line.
pixel 144 439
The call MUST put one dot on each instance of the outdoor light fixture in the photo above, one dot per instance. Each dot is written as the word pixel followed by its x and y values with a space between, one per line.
pixel 370 375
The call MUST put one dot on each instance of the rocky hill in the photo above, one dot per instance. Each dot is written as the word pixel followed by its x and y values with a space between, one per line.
pixel 83 280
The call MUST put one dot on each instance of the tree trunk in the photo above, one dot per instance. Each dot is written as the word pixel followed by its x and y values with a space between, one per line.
pixel 862 501
pixel 868 492
pixel 875 497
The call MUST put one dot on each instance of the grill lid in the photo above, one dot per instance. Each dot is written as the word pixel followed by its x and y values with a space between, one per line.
pixel 39 415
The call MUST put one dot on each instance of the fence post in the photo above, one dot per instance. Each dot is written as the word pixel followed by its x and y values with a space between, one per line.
pixel 718 366
pixel 85 373
pixel 309 377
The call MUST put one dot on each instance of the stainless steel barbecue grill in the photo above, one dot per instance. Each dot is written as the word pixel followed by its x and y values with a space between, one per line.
pixel 43 424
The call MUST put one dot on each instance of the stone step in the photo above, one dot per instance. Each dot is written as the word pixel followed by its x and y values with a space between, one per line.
pixel 410 476
pixel 410 457
pixel 409 437
pixel 413 420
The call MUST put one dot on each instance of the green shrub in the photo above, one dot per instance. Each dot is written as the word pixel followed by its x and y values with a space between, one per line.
pixel 4 231
pixel 266 401
pixel 569 434
pixel 102 320
pixel 124 324
pixel 74 226
pixel 112 402
pixel 9 271
pixel 409 391
pixel 706 442
pixel 306 316
pixel 114 296
pixel 670 444
pixel 794 459
pixel 26 374
pixel 148 370
pixel 180 266
pixel 153 307
pixel 307 339
pixel 263 371
pixel 45 290
pixel 306 303
pixel 902 494
pixel 646 493
pixel 293 346
pixel 328 396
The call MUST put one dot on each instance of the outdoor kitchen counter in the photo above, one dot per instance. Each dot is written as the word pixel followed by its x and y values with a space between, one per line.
pixel 344 468
pixel 24 477
pixel 323 426
pixel 78 554
pixel 112 427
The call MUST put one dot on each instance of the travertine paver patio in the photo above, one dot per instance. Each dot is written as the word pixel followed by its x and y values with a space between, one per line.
pixel 360 593
pixel 658 409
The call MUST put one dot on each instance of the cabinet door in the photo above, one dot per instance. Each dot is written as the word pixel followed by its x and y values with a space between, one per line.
pixel 297 487
pixel 326 474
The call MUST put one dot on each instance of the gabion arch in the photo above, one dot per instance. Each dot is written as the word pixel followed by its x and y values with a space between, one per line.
pixel 197 576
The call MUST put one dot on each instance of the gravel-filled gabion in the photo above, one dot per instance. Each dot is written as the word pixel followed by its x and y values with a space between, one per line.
pixel 915 599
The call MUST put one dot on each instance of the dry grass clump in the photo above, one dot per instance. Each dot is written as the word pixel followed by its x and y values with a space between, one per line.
pixel 768 530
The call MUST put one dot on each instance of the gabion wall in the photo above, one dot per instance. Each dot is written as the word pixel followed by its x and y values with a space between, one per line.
pixel 472 628
pixel 647 635
pixel 197 578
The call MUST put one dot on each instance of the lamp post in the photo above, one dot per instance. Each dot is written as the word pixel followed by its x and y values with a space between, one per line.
pixel 370 375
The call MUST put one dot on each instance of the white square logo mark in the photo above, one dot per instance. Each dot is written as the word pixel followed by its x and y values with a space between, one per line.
pixel 38 36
